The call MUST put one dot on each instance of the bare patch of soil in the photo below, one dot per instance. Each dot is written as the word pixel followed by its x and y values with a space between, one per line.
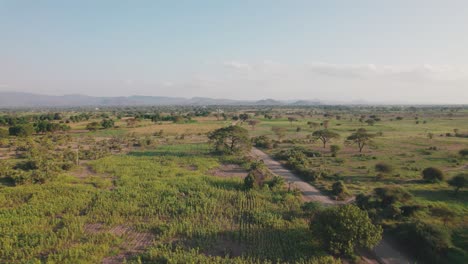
pixel 229 171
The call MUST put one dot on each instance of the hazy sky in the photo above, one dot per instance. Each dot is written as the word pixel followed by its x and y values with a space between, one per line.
pixel 384 51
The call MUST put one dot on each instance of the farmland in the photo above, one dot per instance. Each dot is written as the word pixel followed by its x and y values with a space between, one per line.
pixel 155 185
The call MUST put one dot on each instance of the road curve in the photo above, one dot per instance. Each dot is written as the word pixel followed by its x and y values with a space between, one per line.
pixel 384 252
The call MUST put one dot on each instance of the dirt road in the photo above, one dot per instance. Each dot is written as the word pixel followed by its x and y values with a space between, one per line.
pixel 383 252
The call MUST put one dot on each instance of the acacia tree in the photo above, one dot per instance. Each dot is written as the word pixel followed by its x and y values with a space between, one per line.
pixel 230 140
pixel 345 228
pixel 361 138
pixel 325 136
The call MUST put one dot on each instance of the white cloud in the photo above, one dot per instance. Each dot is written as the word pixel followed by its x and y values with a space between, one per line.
pixel 425 83
pixel 238 65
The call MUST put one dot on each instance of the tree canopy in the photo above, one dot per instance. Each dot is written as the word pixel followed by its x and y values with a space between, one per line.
pixel 230 140
pixel 361 138
pixel 325 136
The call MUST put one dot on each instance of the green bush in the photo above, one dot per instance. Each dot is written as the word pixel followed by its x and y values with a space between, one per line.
pixel 459 181
pixel 21 130
pixel 344 229
pixel 383 167
pixel 249 181
pixel 262 142
pixel 463 153
pixel 432 174
pixel 429 243
pixel 390 195
pixel 339 189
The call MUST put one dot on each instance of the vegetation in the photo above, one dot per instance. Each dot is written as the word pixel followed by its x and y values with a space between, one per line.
pixel 230 140
pixel 325 136
pixel 432 174
pixel 177 184
pixel 459 181
pixel 361 138
pixel 346 228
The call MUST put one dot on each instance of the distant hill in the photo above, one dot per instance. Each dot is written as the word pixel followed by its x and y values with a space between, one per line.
pixel 19 99
pixel 305 102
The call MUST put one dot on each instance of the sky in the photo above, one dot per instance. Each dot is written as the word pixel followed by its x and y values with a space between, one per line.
pixel 395 51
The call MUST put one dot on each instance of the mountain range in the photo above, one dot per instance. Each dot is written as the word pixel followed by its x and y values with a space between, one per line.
pixel 20 99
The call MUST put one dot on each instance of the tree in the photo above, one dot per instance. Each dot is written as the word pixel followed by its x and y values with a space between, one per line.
pixel 243 117
pixel 230 140
pixel 459 181
pixel 334 150
pixel 291 119
pixel 361 138
pixel 432 174
pixel 280 132
pixel 325 136
pixel 253 123
pixel 107 123
pixel 345 228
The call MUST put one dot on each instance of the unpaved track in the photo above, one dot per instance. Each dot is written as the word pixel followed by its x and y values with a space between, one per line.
pixel 383 252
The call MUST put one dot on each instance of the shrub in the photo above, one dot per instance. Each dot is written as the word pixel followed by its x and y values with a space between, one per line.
pixel 345 228
pixel 429 243
pixel 276 181
pixel 21 130
pixel 339 189
pixel 410 210
pixel 459 181
pixel 383 167
pixel 463 153
pixel 262 142
pixel 249 181
pixel 391 195
pixel 432 174
pixel 334 150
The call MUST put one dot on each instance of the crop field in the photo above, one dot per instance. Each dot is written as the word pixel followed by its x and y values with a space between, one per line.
pixel 155 201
